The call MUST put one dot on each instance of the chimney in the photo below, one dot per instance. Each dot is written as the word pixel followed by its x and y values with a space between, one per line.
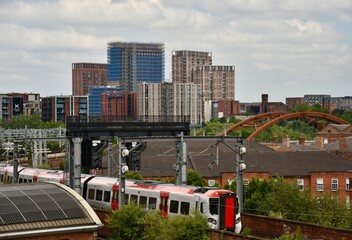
pixel 265 100
pixel 301 141
pixel 286 141
pixel 343 145
pixel 319 142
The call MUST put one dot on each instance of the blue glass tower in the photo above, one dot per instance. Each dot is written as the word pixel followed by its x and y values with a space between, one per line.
pixel 95 99
pixel 130 63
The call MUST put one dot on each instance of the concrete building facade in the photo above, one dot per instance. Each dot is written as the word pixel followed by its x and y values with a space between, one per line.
pixel 85 75
pixel 57 108
pixel 218 82
pixel 170 99
pixel 185 61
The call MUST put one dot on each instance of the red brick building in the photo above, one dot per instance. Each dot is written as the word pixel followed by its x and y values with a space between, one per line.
pixel 317 170
pixel 119 104
pixel 334 132
pixel 85 75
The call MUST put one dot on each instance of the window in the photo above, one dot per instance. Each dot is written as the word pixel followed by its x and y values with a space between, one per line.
pixel 126 198
pixel 134 198
pixel 348 186
pixel 185 208
pixel 246 185
pixel 99 195
pixel 300 183
pixel 152 203
pixel 213 205
pixel 143 201
pixel 211 183
pixel 334 184
pixel 91 193
pixel 348 202
pixel 320 184
pixel 107 196
pixel 21 180
pixel 173 206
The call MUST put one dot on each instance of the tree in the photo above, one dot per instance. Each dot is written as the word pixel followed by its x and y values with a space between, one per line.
pixel 194 178
pixel 192 227
pixel 133 222
pixel 133 175
pixel 127 222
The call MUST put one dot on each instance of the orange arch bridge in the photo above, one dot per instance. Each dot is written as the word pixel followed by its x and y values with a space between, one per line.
pixel 263 121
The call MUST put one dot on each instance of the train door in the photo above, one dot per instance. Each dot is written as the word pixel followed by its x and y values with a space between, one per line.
pixel 227 213
pixel 115 197
pixel 164 197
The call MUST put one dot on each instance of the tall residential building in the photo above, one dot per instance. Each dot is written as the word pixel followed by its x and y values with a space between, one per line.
pixel 119 105
pixel 218 82
pixel 85 75
pixel 171 99
pixel 95 99
pixel 57 108
pixel 184 62
pixel 130 63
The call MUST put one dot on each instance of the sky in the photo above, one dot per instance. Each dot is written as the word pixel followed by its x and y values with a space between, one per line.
pixel 283 48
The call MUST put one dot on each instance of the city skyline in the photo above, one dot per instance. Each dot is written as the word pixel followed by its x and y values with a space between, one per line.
pixel 285 49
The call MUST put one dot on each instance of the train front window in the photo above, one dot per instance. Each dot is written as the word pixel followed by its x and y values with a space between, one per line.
pixel 214 205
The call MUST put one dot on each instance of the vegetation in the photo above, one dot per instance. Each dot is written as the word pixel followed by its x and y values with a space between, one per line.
pixel 32 121
pixel 133 175
pixel 132 222
pixel 282 199
pixel 194 178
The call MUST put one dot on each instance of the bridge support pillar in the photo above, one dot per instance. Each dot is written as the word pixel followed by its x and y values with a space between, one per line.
pixel 77 142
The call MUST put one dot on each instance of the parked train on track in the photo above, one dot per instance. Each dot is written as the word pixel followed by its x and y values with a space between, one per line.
pixel 219 206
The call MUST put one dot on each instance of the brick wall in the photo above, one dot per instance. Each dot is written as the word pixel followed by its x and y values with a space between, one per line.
pixel 271 227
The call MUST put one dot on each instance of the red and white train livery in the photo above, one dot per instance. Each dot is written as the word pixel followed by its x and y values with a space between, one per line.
pixel 219 206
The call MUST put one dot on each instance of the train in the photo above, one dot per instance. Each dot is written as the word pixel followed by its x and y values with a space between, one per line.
pixel 219 206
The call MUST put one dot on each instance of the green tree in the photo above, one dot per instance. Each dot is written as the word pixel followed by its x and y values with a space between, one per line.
pixel 134 175
pixel 285 198
pixel 127 222
pixel 194 178
pixel 192 227
pixel 133 222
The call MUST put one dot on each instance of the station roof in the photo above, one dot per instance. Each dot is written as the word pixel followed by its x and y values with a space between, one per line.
pixel 37 208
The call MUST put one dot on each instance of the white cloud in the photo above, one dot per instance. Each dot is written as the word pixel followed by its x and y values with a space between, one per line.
pixel 269 42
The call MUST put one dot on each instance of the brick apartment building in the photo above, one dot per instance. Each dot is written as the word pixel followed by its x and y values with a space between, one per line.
pixel 85 75
pixel 14 104
pixel 57 108
pixel 120 105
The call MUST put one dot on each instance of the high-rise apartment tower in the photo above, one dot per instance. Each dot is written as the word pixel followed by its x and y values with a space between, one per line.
pixel 184 62
pixel 132 62
pixel 85 75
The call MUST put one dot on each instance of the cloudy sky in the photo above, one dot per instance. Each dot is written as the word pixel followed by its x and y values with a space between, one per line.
pixel 285 48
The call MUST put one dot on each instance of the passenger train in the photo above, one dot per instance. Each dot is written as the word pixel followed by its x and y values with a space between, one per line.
pixel 219 206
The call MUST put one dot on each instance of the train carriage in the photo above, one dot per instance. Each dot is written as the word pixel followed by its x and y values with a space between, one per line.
pixel 219 206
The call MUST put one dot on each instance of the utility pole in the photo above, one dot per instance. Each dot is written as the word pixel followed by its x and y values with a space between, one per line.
pixel 240 150
pixel 240 167
pixel 123 153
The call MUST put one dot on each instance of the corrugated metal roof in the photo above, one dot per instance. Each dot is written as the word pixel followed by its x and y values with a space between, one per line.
pixel 35 207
